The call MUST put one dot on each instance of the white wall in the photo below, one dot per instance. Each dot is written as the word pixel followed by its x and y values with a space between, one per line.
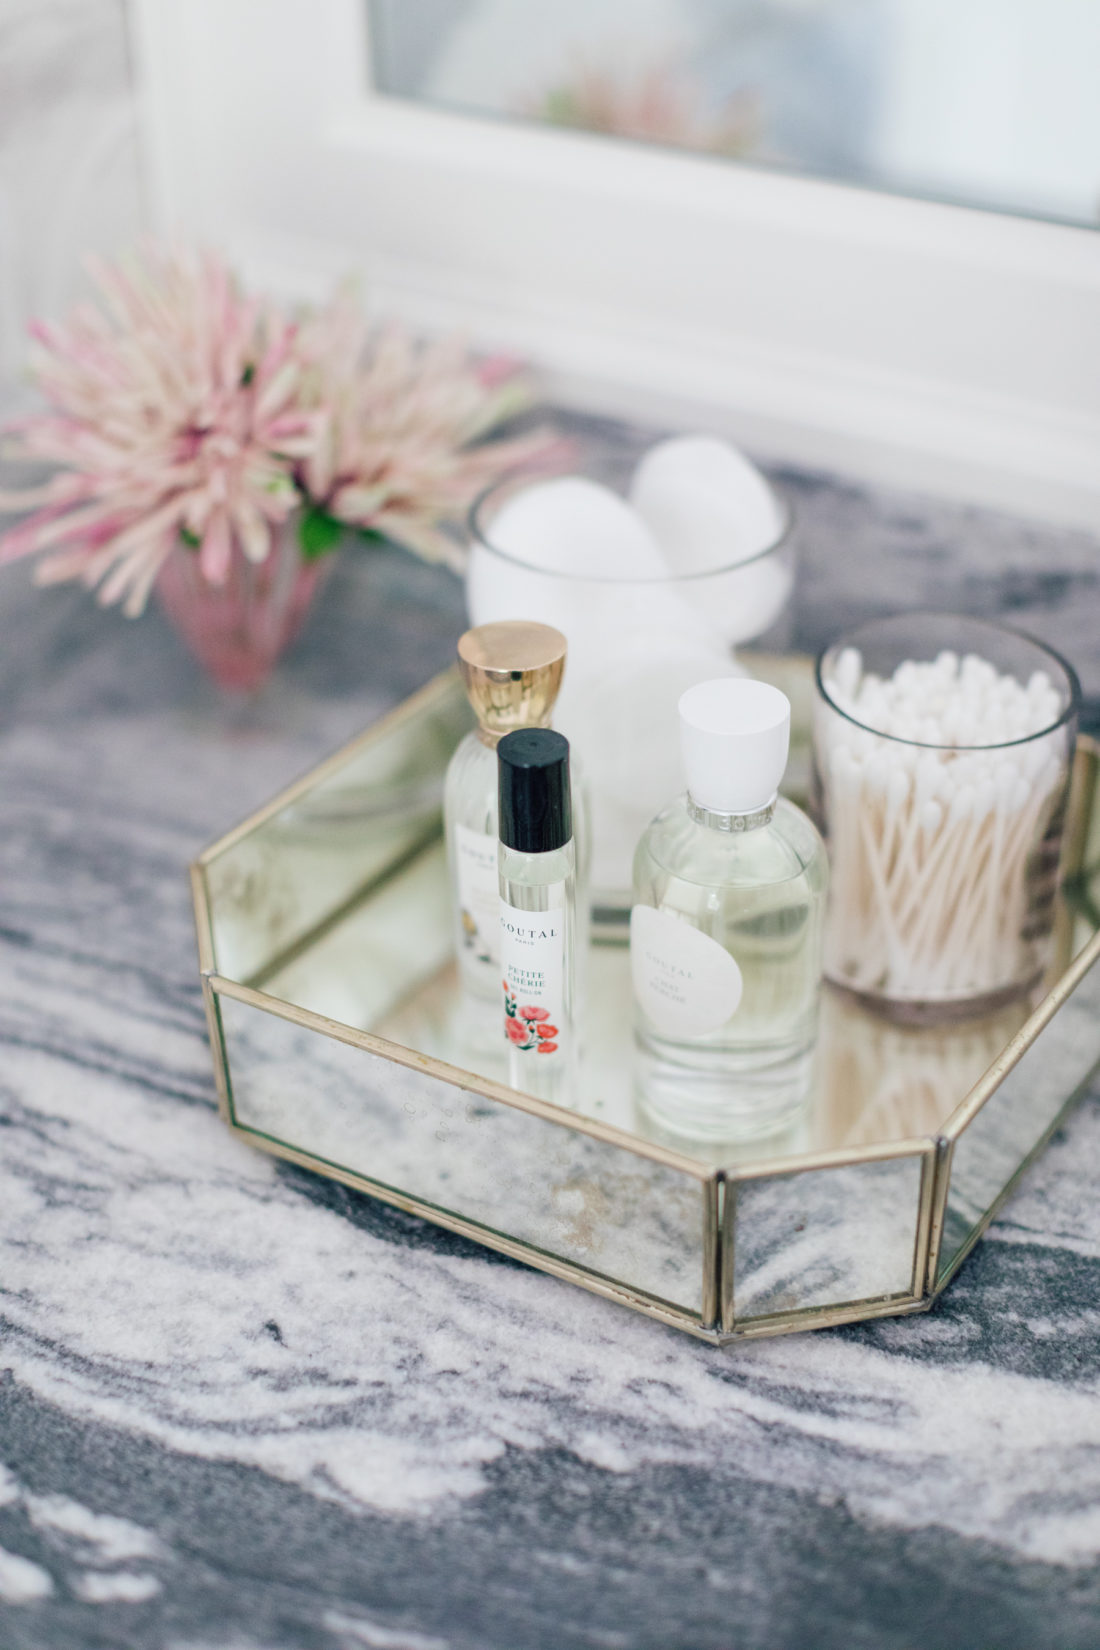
pixel 69 180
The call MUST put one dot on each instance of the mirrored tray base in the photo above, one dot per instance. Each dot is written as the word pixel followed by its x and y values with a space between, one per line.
pixel 340 1042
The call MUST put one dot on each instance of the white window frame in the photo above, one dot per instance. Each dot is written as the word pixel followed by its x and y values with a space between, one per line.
pixel 952 350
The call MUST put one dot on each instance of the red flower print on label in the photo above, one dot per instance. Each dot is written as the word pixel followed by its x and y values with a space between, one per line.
pixel 528 1027
pixel 524 1027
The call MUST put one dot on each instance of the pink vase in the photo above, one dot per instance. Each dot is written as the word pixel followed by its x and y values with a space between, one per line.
pixel 237 630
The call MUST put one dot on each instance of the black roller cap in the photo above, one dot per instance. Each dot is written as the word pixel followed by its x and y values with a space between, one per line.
pixel 536 814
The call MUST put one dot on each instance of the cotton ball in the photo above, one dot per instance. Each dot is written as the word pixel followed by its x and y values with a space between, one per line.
pixel 564 553
pixel 711 511
pixel 548 543
pixel 575 526
pixel 705 503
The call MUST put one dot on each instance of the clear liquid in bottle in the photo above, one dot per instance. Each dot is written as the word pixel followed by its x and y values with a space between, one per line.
pixel 726 929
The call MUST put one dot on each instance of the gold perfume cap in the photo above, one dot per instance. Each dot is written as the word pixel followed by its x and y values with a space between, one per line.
pixel 512 672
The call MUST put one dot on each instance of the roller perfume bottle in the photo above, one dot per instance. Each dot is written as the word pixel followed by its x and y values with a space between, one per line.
pixel 726 927
pixel 538 914
pixel 512 673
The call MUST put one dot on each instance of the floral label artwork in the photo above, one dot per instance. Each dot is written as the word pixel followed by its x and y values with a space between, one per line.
pixel 527 1026
pixel 532 958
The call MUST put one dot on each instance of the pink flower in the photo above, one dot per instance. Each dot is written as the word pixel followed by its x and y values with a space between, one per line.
pixel 547 1031
pixel 401 450
pixel 180 409
pixel 175 412
pixel 515 1031
pixel 531 1013
pixel 548 1048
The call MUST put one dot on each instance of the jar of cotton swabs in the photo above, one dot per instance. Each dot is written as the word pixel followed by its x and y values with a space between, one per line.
pixel 942 756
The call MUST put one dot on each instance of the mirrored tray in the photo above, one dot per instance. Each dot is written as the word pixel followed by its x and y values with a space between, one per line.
pixel 330 990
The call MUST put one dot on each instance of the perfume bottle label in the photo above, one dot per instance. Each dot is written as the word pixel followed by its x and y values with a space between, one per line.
pixel 478 894
pixel 685 983
pixel 532 959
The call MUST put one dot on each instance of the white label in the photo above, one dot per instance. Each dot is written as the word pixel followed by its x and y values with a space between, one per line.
pixel 532 959
pixel 478 895
pixel 685 983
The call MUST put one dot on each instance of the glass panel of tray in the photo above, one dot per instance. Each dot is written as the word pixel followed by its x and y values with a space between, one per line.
pixel 519 1176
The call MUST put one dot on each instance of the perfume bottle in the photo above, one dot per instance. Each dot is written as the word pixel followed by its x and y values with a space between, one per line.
pixel 512 673
pixel 538 913
pixel 726 927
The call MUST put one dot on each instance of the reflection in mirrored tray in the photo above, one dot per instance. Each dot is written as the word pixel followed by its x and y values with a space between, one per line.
pixel 387 968
pixel 987 102
pixel 376 954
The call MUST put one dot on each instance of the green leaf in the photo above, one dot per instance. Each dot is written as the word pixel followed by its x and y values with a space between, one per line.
pixel 318 533
pixel 371 535
pixel 192 540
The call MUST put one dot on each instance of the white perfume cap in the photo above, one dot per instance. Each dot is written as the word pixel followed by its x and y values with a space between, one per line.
pixel 734 738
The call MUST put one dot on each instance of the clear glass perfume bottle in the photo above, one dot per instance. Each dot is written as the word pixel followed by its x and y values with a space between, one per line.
pixel 538 914
pixel 726 928
pixel 512 673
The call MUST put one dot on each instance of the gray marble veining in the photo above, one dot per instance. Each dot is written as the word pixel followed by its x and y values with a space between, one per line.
pixel 241 1406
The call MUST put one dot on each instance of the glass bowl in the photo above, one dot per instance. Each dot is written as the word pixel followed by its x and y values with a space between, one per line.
pixel 634 646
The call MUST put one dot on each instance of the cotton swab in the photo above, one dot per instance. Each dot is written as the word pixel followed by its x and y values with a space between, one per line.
pixel 942 784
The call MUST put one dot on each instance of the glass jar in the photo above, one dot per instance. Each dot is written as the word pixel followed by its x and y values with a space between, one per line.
pixel 942 755
pixel 634 646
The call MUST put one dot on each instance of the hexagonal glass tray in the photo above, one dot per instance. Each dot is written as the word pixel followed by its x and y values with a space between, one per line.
pixel 325 951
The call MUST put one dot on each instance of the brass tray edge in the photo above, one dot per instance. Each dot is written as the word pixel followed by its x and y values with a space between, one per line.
pixel 441 687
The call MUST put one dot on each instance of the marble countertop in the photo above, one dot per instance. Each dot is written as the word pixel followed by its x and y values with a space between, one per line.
pixel 244 1407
